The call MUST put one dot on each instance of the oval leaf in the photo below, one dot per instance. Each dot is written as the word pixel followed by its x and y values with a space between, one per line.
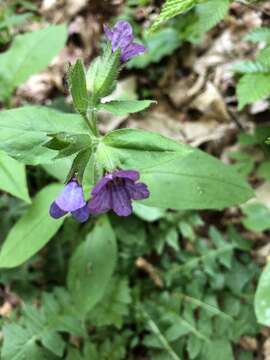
pixel 196 181
pixel 192 178
pixel 92 265
pixel 32 231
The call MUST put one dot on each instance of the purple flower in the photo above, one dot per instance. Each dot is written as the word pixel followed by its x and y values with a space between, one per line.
pixel 121 37
pixel 70 200
pixel 115 191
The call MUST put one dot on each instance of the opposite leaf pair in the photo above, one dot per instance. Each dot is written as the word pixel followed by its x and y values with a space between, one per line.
pixel 113 192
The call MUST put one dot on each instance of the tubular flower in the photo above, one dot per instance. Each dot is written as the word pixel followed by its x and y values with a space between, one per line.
pixel 70 200
pixel 115 191
pixel 121 37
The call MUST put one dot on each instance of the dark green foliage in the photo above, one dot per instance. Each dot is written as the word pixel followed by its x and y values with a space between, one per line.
pixel 43 326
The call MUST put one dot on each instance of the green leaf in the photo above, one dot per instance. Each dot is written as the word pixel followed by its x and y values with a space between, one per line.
pixel 19 344
pixel 32 231
pixel 77 87
pixel 60 312
pixel 102 74
pixel 252 87
pixel 29 54
pixel 74 354
pixel 194 346
pixel 260 34
pixel 264 170
pixel 138 149
pixel 114 305
pixel 24 132
pixel 59 169
pixel 222 347
pixel 43 325
pixel 159 44
pixel 13 177
pixel 195 181
pixel 251 67
pixel 206 18
pixel 171 8
pixel 262 297
pixel 264 57
pixel 257 217
pixel 92 265
pixel 159 335
pixel 192 179
pixel 68 145
pixel 14 20
pixel 148 213
pixel 79 166
pixel 123 107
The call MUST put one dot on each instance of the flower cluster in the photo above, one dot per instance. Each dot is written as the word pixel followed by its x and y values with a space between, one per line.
pixel 115 191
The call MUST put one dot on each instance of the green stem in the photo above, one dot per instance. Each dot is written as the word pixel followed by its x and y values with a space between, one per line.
pixel 154 328
pixel 89 125
pixel 94 123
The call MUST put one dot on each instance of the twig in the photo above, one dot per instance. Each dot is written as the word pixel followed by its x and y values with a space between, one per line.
pixel 150 270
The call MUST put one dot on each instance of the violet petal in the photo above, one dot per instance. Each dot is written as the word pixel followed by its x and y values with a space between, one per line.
pixel 121 201
pixel 71 198
pixel 131 51
pixel 137 191
pixel 121 35
pixel 55 211
pixel 101 202
pixel 123 27
pixel 101 183
pixel 82 214
pixel 108 32
pixel 127 174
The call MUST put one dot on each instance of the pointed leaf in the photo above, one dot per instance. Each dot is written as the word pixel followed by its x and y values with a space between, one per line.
pixel 24 131
pixel 77 86
pixel 102 74
pixel 123 107
pixel 13 177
